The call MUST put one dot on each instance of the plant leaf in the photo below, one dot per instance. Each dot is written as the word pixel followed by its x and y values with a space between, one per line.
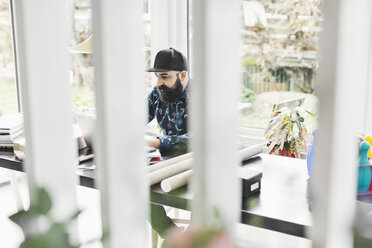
pixel 73 216
pixel 299 126
pixel 59 236
pixel 272 145
pixel 295 147
pixel 17 217
pixel 39 241
pixel 43 201
pixel 309 113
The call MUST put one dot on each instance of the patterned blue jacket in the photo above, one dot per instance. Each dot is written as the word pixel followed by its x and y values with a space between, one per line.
pixel 172 119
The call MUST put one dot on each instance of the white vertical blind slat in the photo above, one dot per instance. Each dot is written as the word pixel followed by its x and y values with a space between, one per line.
pixel 340 82
pixel 42 39
pixel 120 100
pixel 214 96
pixel 368 94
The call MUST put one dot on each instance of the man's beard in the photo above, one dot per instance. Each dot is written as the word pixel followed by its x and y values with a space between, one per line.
pixel 171 94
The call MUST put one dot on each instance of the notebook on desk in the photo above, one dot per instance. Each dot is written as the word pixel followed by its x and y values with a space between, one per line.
pixel 149 149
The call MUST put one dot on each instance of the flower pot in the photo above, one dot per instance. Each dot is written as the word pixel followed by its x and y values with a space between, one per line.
pixel 284 153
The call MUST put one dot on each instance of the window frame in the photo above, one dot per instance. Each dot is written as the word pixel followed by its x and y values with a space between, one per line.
pixel 15 54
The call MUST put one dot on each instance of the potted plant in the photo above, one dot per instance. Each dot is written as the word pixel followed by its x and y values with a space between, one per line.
pixel 286 132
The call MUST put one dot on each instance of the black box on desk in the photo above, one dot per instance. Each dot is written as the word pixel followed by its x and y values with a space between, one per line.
pixel 251 181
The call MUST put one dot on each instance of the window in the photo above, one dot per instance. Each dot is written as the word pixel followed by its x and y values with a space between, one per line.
pixel 280 58
pixel 82 73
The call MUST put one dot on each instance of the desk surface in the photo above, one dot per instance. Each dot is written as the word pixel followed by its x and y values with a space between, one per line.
pixel 282 205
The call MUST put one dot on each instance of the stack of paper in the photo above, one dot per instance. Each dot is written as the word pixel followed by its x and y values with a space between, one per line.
pixel 11 128
pixel 19 147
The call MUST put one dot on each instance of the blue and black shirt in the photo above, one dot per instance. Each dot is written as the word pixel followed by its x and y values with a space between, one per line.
pixel 172 119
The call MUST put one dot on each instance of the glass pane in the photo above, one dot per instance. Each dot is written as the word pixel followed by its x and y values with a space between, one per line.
pixel 82 71
pixel 82 63
pixel 280 58
pixel 147 43
pixel 8 87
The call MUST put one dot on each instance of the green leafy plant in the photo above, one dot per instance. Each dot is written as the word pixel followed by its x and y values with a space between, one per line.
pixel 286 131
pixel 40 229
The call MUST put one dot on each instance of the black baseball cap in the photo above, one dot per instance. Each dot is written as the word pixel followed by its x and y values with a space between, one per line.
pixel 169 60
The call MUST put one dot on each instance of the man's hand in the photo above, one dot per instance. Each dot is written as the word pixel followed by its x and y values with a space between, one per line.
pixel 153 142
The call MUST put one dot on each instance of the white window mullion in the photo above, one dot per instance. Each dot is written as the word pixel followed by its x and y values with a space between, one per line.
pixel 214 96
pixel 160 28
pixel 15 54
pixel 178 25
pixel 119 87
pixel 168 21
pixel 42 40
pixel 168 25
pixel 340 83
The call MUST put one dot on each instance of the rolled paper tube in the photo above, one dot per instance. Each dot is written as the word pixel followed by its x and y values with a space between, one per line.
pixel 185 161
pixel 170 170
pixel 250 151
pixel 170 161
pixel 176 181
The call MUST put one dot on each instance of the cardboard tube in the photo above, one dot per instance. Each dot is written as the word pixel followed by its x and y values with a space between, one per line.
pixel 174 166
pixel 243 154
pixel 170 170
pixel 167 162
pixel 250 151
pixel 176 181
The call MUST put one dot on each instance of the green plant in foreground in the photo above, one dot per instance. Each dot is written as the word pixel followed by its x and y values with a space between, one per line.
pixel 41 230
pixel 213 234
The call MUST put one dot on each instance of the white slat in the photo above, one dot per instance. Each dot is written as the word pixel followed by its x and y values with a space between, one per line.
pixel 42 39
pixel 214 96
pixel 367 129
pixel 342 76
pixel 119 87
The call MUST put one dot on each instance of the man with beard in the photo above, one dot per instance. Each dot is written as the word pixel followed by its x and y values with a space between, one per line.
pixel 167 102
